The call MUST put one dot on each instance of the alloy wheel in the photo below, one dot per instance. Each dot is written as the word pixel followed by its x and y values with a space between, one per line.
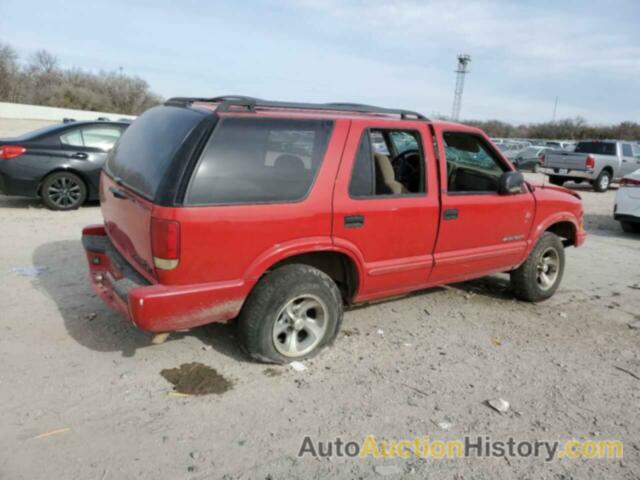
pixel 300 326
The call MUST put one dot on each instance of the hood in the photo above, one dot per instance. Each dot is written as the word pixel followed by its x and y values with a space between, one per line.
pixel 555 188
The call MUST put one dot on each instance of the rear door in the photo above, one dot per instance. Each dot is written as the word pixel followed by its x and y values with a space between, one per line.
pixel 481 231
pixel 385 205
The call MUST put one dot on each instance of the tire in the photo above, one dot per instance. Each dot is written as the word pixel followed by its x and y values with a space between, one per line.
pixel 601 184
pixel 526 280
pixel 630 227
pixel 63 191
pixel 555 180
pixel 273 328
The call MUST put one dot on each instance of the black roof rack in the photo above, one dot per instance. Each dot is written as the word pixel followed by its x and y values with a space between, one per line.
pixel 229 102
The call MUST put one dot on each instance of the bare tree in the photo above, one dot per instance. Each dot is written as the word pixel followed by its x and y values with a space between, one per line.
pixel 43 82
pixel 9 73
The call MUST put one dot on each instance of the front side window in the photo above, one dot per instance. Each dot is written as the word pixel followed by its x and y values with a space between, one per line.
pixel 626 150
pixel 471 165
pixel 259 160
pixel 388 162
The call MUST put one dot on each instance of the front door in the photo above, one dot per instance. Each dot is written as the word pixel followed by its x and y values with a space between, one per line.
pixel 482 231
pixel 630 159
pixel 386 205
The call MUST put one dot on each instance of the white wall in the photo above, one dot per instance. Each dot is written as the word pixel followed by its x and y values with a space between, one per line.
pixel 16 119
pixel 36 112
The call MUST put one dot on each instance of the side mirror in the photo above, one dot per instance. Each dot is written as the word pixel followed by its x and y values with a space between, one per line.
pixel 510 183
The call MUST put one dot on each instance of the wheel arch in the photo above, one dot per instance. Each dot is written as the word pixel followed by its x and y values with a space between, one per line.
pixel 83 177
pixel 607 168
pixel 563 224
pixel 566 230
pixel 340 264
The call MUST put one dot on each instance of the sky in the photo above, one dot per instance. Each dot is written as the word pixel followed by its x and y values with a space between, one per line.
pixel 390 53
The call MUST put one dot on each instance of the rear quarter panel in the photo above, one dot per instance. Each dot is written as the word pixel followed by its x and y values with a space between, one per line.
pixel 238 242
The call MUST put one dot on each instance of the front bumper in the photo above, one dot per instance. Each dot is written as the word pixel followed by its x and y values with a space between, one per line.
pixel 621 217
pixel 156 307
pixel 586 174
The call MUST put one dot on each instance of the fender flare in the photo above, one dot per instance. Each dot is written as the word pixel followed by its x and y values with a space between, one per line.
pixel 282 251
pixel 552 220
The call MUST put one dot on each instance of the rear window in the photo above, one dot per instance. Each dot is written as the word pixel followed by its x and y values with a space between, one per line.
pixel 142 156
pixel 597 148
pixel 259 160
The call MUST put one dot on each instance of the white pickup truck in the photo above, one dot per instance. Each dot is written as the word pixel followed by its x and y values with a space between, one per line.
pixel 597 161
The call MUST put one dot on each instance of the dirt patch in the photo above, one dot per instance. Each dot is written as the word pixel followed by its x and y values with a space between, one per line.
pixel 196 379
pixel 272 372
pixel 351 332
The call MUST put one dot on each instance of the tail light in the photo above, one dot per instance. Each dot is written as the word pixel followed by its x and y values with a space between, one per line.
pixel 11 151
pixel 165 243
pixel 590 162
pixel 542 159
pixel 629 182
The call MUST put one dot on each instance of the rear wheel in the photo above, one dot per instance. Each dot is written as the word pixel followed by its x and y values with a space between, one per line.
pixel 63 191
pixel 630 227
pixel 291 314
pixel 555 180
pixel 601 184
pixel 539 276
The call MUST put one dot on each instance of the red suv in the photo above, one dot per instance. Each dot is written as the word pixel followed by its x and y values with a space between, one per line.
pixel 281 213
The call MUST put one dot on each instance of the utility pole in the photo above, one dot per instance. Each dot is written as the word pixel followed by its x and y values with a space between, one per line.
pixel 555 109
pixel 463 61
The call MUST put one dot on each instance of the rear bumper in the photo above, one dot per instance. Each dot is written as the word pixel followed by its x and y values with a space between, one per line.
pixel 155 307
pixel 18 187
pixel 586 174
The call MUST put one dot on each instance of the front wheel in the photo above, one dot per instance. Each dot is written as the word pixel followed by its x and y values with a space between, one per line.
pixel 538 278
pixel 63 191
pixel 292 313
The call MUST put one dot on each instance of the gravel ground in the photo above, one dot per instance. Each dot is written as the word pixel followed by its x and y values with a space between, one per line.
pixel 72 369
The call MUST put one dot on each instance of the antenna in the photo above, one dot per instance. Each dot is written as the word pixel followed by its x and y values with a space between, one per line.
pixel 463 61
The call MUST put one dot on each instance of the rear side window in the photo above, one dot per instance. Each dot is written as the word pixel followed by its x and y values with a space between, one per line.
pixel 400 171
pixel 102 138
pixel 626 150
pixel 142 156
pixel 597 148
pixel 259 160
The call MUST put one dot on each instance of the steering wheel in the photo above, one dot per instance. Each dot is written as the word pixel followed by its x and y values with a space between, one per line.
pixel 407 169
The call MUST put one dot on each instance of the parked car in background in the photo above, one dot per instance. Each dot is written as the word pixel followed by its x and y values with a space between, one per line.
pixel 563 145
pixel 61 164
pixel 530 158
pixel 597 161
pixel 627 207
pixel 280 213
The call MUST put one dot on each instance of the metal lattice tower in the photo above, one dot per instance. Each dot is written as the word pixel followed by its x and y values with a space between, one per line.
pixel 463 61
